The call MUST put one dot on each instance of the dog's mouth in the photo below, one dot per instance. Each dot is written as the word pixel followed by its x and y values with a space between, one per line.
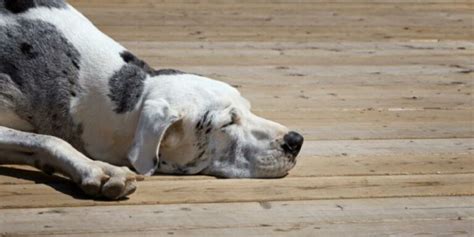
pixel 274 167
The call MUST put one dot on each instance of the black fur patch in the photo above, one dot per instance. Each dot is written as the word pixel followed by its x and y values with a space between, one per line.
pixel 132 59
pixel 20 6
pixel 126 87
pixel 40 85
pixel 27 50
pixel 202 129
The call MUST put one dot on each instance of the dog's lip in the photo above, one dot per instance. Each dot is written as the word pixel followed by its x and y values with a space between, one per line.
pixel 284 175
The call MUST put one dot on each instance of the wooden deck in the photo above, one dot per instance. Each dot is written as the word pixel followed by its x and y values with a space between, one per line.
pixel 382 92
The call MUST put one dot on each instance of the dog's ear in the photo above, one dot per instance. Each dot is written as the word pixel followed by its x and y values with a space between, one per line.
pixel 155 118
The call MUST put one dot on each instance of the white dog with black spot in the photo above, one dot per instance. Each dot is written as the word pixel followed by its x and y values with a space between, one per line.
pixel 74 101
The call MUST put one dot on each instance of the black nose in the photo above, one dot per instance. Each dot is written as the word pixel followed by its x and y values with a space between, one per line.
pixel 292 143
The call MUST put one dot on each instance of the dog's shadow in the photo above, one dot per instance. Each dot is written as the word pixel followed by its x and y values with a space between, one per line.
pixel 58 183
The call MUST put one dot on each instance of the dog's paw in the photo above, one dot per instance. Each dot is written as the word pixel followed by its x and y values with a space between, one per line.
pixel 112 182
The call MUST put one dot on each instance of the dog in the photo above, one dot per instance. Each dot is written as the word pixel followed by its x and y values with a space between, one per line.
pixel 76 102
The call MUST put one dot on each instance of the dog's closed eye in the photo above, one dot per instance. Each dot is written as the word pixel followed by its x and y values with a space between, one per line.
pixel 228 124
pixel 234 119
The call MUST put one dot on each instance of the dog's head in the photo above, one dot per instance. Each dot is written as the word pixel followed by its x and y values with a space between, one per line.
pixel 202 126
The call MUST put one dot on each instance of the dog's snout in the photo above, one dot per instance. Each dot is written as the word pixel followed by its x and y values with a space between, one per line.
pixel 292 143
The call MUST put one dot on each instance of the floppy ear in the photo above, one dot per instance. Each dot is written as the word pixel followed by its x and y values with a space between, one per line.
pixel 156 116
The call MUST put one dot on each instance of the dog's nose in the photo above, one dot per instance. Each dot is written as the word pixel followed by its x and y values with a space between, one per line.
pixel 292 143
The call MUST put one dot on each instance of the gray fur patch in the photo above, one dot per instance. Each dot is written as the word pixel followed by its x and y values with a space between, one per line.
pixel 20 6
pixel 39 73
pixel 168 72
pixel 126 86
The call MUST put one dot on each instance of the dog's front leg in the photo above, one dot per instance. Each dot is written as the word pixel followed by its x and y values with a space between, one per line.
pixel 52 154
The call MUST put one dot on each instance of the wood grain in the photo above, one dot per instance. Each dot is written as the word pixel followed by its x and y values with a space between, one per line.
pixel 450 216
pixel 222 191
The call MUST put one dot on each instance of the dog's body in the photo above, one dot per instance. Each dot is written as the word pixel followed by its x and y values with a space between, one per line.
pixel 60 77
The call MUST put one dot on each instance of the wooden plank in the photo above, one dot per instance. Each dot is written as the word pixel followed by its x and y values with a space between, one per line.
pixel 299 4
pixel 286 21
pixel 257 14
pixel 160 57
pixel 380 130
pixel 373 123
pixel 279 2
pixel 282 34
pixel 272 15
pixel 163 54
pixel 246 190
pixel 404 228
pixel 335 158
pixel 393 157
pixel 451 216
pixel 367 114
pixel 357 49
pixel 281 21
pixel 351 76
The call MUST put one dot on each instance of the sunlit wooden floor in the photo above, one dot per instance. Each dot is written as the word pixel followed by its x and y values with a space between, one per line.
pixel 382 92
